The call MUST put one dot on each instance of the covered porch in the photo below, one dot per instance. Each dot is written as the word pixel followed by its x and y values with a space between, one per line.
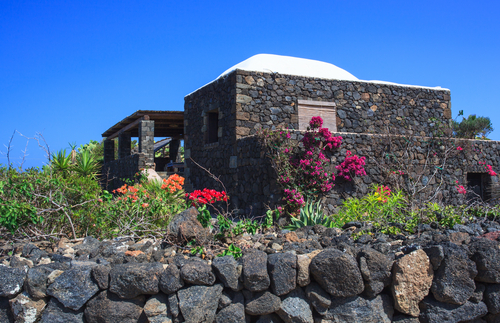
pixel 122 162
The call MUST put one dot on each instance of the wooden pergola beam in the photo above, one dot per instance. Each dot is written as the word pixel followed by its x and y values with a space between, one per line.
pixel 128 127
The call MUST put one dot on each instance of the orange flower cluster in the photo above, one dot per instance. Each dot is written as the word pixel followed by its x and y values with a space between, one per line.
pixel 130 192
pixel 173 183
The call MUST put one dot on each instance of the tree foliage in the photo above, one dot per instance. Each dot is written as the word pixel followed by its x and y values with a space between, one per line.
pixel 472 127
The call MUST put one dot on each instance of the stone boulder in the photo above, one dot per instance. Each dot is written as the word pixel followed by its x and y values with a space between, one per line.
pixel 11 280
pixel 133 279
pixel 337 273
pixel 228 271
pixel 376 270
pixel 262 303
pixel 55 312
pixel 170 280
pixel 360 309
pixel 101 276
pixel 5 311
pixel 432 311
pixel 74 287
pixel 454 280
pixel 282 268
pixel 157 309
pixel 492 298
pixel 106 307
pixel 318 298
pixel 199 303
pixel 486 255
pixel 197 272
pixel 255 276
pixel 185 227
pixel 36 281
pixel 234 313
pixel 411 280
pixel 26 309
pixel 295 310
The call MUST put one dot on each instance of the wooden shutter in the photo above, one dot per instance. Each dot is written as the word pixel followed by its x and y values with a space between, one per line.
pixel 326 110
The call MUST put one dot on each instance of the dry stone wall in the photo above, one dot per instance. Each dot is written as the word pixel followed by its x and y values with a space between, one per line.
pixel 314 274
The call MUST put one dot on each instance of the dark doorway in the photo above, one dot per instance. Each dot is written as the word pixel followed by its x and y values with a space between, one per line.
pixel 479 185
pixel 213 127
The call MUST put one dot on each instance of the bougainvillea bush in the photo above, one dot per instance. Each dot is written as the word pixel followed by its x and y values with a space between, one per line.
pixel 303 167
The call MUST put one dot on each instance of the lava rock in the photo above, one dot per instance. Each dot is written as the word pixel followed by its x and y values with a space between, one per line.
pixel 106 307
pixel 255 276
pixel 295 310
pixel 101 276
pixel 271 318
pixel 492 298
pixel 185 227
pixel 337 273
pixel 432 311
pixel 454 280
pixel 197 273
pixel 74 287
pixel 55 312
pixel 411 280
pixel 11 280
pixel 36 281
pixel 26 309
pixel 435 254
pixel 486 255
pixel 5 311
pixel 199 303
pixel 226 269
pixel 234 313
pixel 157 309
pixel 318 298
pixel 170 280
pixel 263 303
pixel 134 279
pixel 360 309
pixel 376 269
pixel 282 268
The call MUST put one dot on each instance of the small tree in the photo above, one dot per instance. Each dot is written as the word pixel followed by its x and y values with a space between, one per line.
pixel 472 127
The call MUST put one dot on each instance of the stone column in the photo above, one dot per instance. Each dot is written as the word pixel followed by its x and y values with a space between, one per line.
pixel 109 150
pixel 147 140
pixel 174 150
pixel 124 145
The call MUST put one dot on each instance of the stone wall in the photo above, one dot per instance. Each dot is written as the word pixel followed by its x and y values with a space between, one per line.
pixel 320 276
pixel 215 156
pixel 256 187
pixel 114 172
pixel 266 100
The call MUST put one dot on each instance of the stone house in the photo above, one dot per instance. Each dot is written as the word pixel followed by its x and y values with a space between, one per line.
pixel 221 120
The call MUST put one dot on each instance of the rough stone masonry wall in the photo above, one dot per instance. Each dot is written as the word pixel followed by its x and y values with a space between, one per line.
pixel 265 100
pixel 320 276
pixel 114 172
pixel 214 156
pixel 257 187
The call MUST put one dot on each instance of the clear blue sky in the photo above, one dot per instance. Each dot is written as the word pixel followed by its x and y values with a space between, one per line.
pixel 72 69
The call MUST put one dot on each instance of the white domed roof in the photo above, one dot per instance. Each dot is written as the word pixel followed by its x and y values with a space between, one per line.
pixel 268 63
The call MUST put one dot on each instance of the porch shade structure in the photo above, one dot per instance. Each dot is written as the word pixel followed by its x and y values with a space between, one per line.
pixel 145 125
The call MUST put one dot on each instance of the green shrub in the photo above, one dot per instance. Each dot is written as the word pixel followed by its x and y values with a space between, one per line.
pixel 310 214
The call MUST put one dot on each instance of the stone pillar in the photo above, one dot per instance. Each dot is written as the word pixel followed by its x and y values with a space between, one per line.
pixel 109 150
pixel 124 145
pixel 174 150
pixel 147 140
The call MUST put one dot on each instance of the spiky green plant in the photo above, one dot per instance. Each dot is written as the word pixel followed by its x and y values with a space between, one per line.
pixel 60 162
pixel 86 165
pixel 310 214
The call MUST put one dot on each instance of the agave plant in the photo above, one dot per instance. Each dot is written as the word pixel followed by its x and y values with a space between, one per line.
pixel 86 165
pixel 60 162
pixel 310 214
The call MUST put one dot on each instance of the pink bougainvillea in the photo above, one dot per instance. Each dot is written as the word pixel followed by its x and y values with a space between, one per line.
pixel 351 166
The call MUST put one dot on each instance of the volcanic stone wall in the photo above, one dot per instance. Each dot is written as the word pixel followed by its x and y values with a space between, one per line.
pixel 257 188
pixel 265 100
pixel 114 172
pixel 320 276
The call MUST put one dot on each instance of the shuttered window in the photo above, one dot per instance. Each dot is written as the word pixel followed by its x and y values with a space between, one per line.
pixel 326 110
